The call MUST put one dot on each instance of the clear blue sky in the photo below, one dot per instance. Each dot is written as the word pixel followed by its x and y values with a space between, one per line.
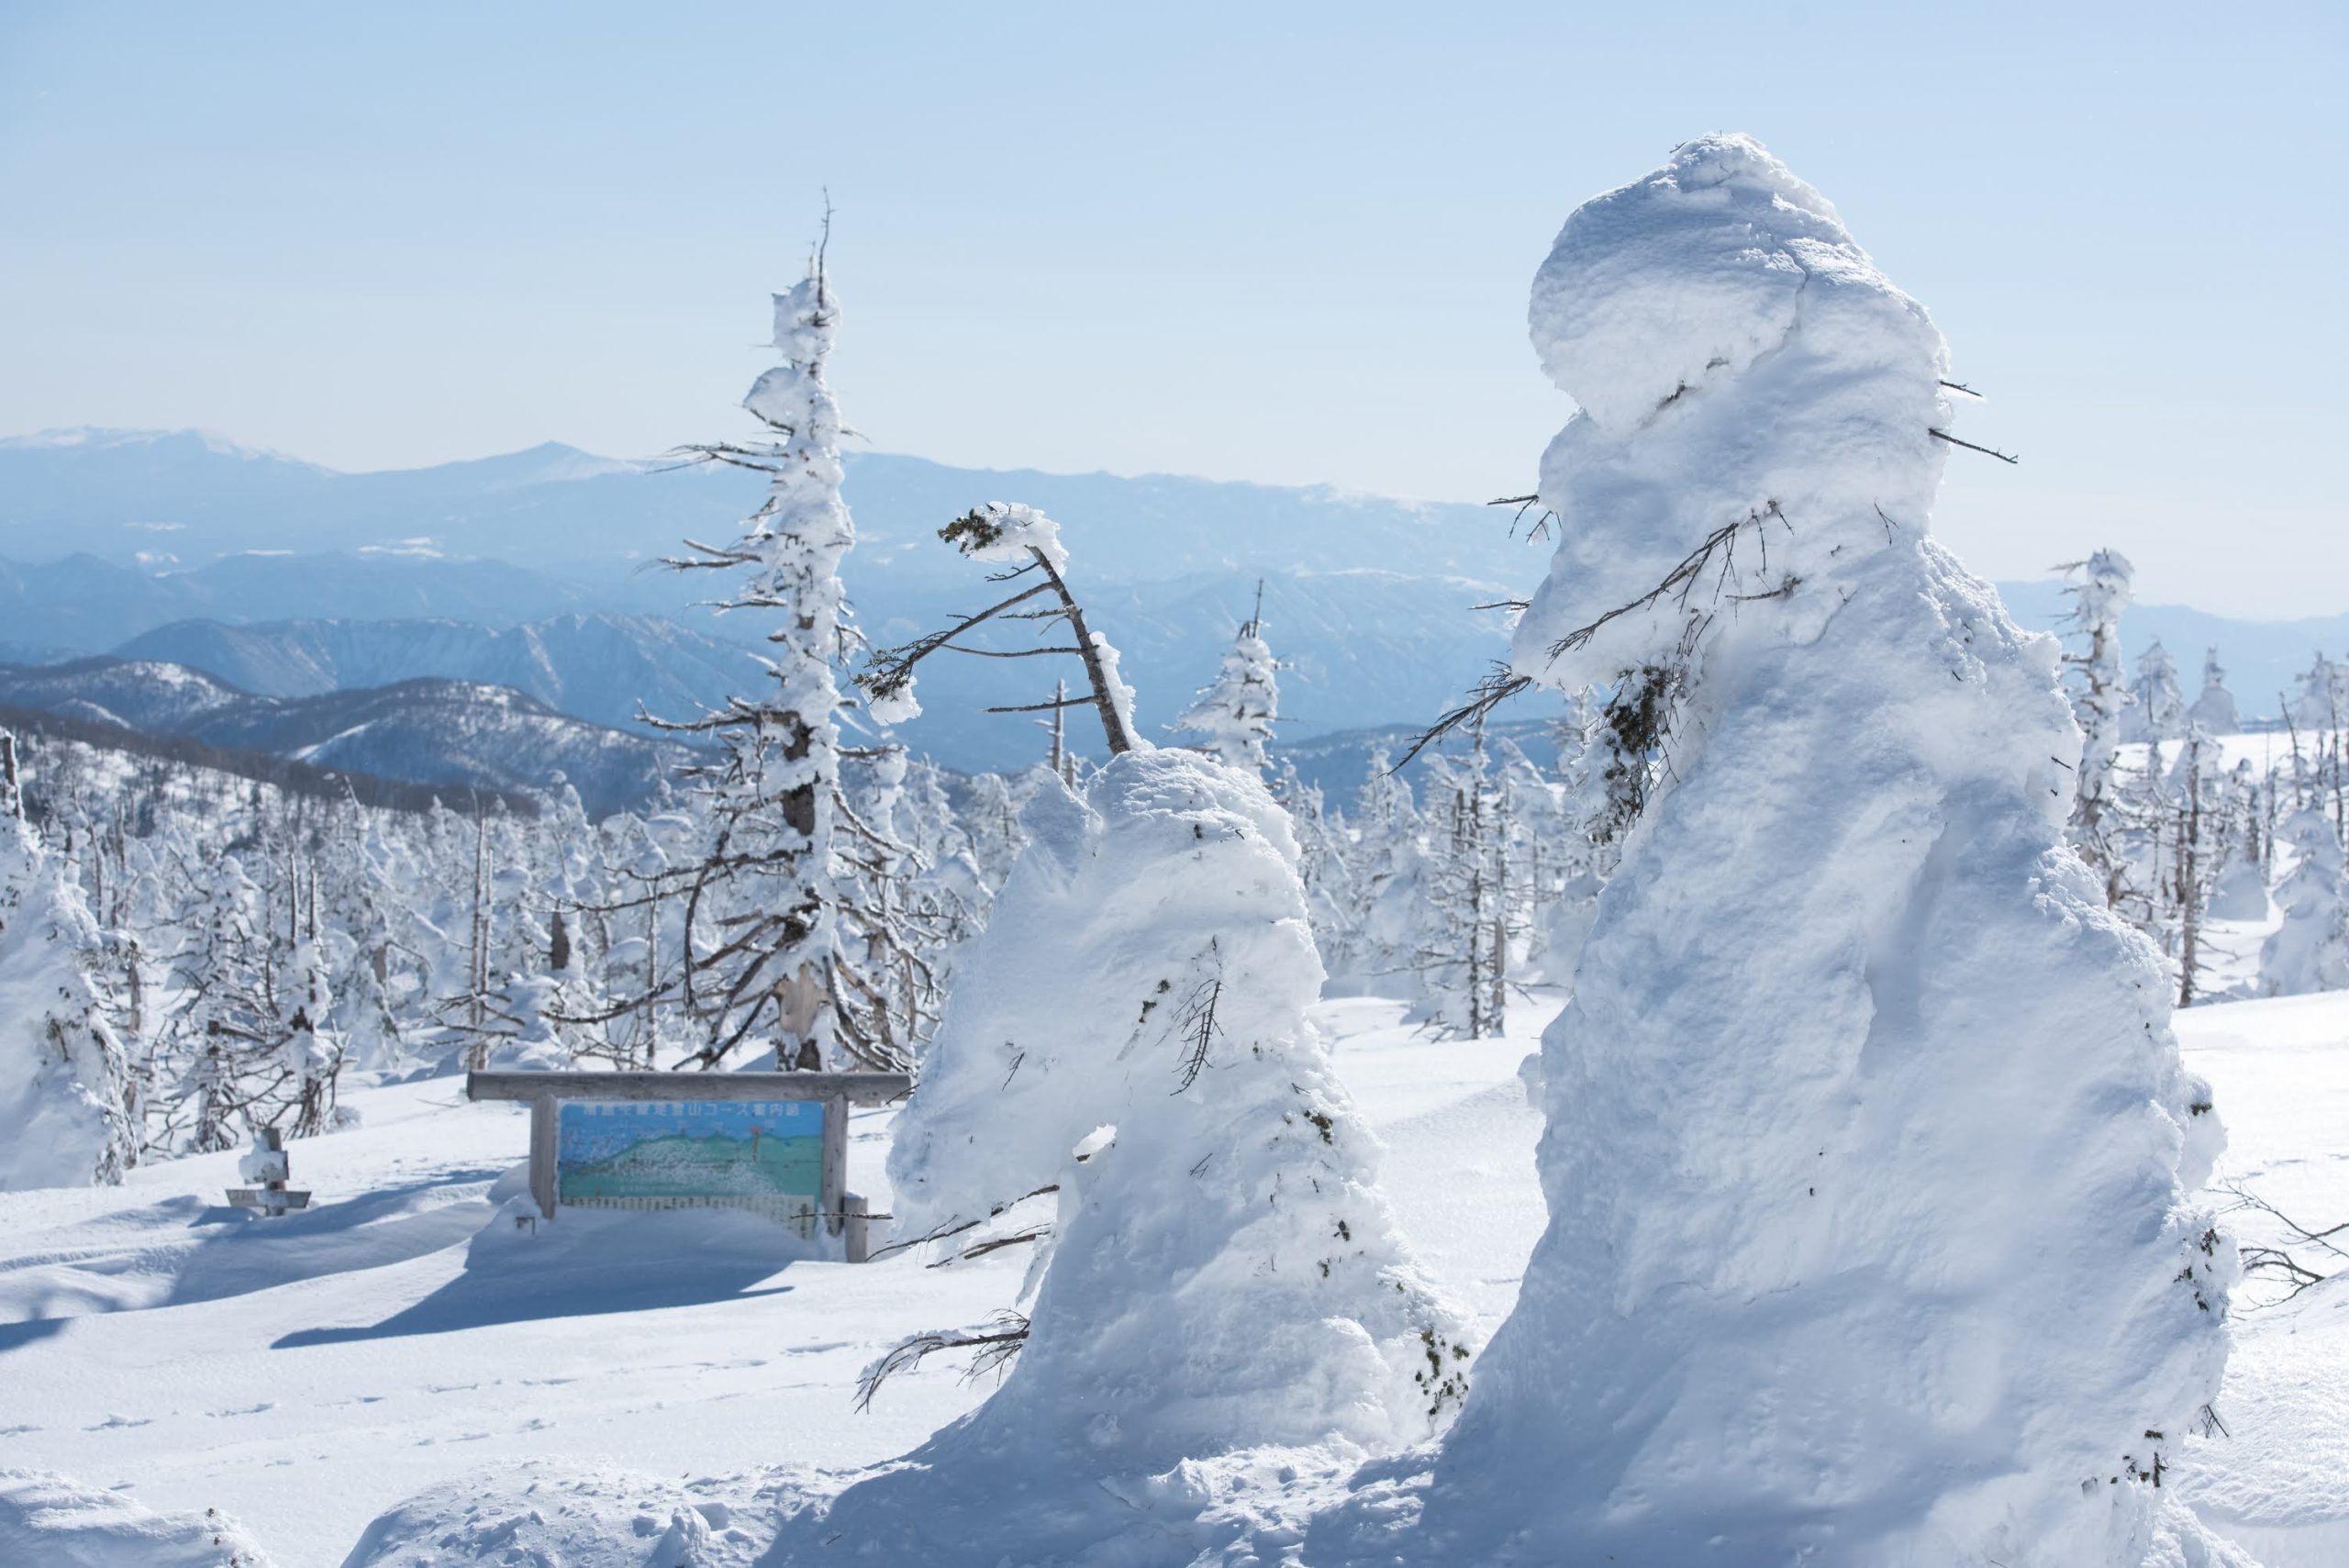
pixel 1288 243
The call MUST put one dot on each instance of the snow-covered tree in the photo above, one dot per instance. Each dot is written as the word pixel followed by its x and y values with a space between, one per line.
pixel 1385 817
pixel 1324 863
pixel 1387 865
pixel 2323 699
pixel 2310 952
pixel 992 821
pixel 1465 915
pixel 2198 831
pixel 1811 1289
pixel 1025 544
pixel 767 955
pixel 2319 744
pixel 2156 709
pixel 2099 695
pixel 1222 1273
pixel 66 1117
pixel 2214 709
pixel 311 1054
pixel 1234 714
pixel 1585 860
pixel 2239 887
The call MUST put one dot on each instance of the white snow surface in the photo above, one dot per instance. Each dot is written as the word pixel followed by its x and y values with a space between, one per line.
pixel 1869 1147
pixel 51 1521
pixel 309 1375
pixel 551 1516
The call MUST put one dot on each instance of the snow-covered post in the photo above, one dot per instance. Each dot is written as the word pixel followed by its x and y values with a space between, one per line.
pixel 1869 1147
pixel 1234 714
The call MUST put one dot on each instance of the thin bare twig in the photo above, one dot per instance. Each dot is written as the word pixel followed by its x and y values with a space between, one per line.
pixel 1195 1019
pixel 997 1344
pixel 1986 452
pixel 1495 689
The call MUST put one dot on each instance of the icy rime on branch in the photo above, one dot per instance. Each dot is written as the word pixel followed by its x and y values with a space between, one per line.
pixel 1869 1145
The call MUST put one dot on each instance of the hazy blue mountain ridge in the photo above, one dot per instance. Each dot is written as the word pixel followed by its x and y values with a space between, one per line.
pixel 535 570
pixel 455 733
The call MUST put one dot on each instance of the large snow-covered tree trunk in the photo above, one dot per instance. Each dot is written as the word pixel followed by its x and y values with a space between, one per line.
pixel 1869 1145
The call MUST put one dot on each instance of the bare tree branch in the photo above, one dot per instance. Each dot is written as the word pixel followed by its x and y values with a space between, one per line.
pixel 1969 446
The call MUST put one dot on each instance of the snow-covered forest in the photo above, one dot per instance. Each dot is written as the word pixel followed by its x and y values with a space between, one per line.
pixel 1795 1066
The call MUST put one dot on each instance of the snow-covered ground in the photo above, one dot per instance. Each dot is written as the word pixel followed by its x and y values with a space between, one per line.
pixel 304 1376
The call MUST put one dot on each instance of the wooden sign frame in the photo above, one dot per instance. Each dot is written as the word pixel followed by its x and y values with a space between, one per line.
pixel 843 1212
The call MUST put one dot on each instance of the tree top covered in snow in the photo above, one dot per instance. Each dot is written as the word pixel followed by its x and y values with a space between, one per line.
pixel 1757 409
pixel 1002 533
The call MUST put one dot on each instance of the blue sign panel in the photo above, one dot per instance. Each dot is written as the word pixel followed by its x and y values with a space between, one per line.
pixel 763 1155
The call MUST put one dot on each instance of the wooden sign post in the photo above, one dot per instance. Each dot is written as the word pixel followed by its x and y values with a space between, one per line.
pixel 698 1140
pixel 269 1168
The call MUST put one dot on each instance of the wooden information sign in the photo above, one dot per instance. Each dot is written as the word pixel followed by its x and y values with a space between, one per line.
pixel 774 1143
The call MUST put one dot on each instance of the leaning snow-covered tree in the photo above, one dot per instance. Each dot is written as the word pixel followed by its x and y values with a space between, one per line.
pixel 1222 1272
pixel 1813 1288
pixel 1234 714
pixel 1025 545
pixel 65 1119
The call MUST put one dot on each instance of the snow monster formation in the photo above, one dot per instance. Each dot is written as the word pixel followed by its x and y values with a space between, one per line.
pixel 1222 1274
pixel 64 1087
pixel 1869 1149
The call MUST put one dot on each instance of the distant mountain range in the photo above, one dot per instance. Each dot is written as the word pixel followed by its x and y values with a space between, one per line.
pixel 532 571
pixel 450 733
pixel 604 667
pixel 181 499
